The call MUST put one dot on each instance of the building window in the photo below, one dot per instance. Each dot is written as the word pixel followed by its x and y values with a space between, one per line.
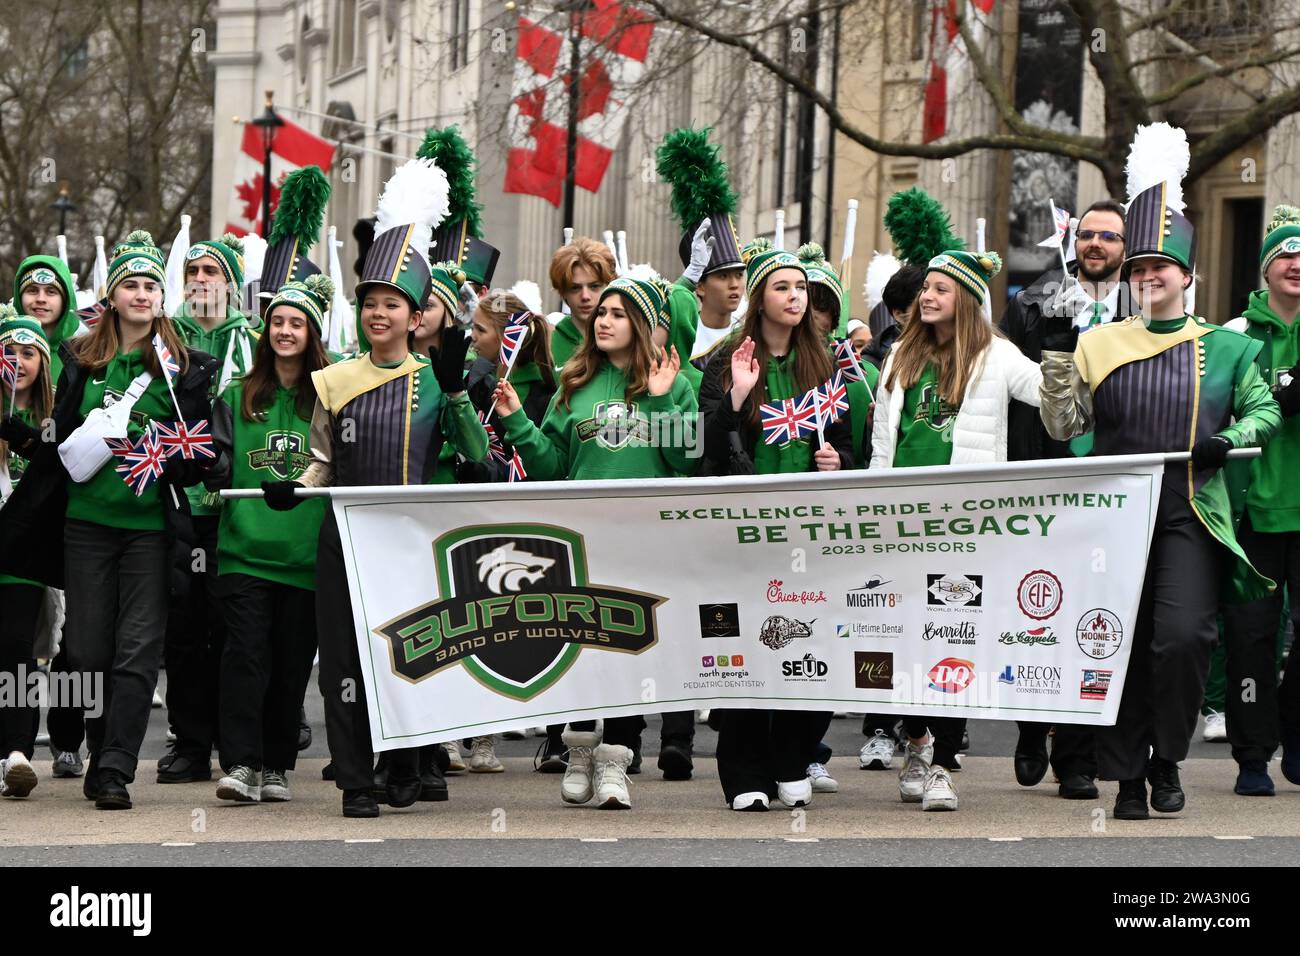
pixel 345 35
pixel 76 60
pixel 458 34
pixel 918 29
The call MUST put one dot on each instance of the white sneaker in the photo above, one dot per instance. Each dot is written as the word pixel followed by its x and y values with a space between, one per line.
pixel 702 716
pixel 878 752
pixel 750 803
pixel 455 762
pixel 483 757
pixel 157 701
pixel 795 793
pixel 940 794
pixel 822 781
pixel 916 766
pixel 1216 728
pixel 612 761
pixel 18 775
pixel 577 785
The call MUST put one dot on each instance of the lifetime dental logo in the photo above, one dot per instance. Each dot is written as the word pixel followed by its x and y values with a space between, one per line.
pixel 516 608
pixel 92 910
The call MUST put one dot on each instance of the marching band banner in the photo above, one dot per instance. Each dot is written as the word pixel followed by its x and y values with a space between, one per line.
pixel 1002 592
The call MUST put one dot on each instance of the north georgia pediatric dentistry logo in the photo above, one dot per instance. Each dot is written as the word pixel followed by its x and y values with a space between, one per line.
pixel 954 591
pixel 1039 595
pixel 722 660
pixel 1099 633
pixel 952 675
pixel 776 595
pixel 515 609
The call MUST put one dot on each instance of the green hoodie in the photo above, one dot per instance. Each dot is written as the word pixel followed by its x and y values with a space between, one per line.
pixel 17 465
pixel 588 440
pixel 217 343
pixel 1266 486
pixel 64 328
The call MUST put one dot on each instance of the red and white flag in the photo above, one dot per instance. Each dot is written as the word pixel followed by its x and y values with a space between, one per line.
pixel 613 43
pixel 294 147
pixel 949 64
pixel 1060 226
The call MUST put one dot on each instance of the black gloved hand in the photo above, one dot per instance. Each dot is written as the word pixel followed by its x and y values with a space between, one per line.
pixel 1210 452
pixel 449 361
pixel 280 495
pixel 1288 396
pixel 20 436
pixel 1060 334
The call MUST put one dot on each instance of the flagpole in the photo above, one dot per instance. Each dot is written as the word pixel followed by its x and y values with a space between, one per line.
pixel 817 408
pixel 1060 246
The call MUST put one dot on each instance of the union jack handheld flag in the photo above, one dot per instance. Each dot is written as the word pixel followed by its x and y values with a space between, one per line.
pixel 512 337
pixel 143 464
pixel 171 367
pixel 496 448
pixel 517 472
pixel 9 369
pixel 785 421
pixel 846 360
pixel 190 440
pixel 833 398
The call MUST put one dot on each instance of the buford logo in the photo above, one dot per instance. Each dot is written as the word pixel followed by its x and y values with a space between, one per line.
pixel 805 668
pixel 515 609
pixel 284 456
pixel 1035 635
pixel 952 675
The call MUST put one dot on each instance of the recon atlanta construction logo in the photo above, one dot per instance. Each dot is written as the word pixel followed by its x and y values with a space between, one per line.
pixel 515 608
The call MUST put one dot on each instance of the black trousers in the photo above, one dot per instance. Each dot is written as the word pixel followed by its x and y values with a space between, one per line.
pixel 265 667
pixel 1074 747
pixel 117 613
pixel 1175 635
pixel 1251 698
pixel 678 728
pixel 192 653
pixel 20 605
pixel 947 733
pixel 620 731
pixel 347 721
pixel 65 723
pixel 757 749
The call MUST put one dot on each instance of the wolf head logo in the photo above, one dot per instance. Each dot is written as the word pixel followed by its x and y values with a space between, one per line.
pixel 506 568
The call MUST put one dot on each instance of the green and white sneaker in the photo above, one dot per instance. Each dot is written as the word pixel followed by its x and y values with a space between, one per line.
pixel 275 786
pixel 239 785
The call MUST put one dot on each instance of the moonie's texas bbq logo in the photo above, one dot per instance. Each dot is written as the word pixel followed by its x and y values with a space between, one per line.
pixel 516 608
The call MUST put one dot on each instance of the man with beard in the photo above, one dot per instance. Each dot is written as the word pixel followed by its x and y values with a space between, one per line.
pixel 1095 298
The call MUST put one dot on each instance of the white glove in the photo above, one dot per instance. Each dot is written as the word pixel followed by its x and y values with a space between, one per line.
pixel 1070 301
pixel 701 251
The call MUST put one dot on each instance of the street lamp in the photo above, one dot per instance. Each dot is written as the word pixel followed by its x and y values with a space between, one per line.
pixel 268 124
pixel 64 206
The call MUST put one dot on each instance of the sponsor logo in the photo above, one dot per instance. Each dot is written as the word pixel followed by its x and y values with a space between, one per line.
pixel 1032 678
pixel 1094 685
pixel 1099 633
pixel 777 595
pixel 806 668
pixel 1035 635
pixel 871 595
pixel 952 675
pixel 954 590
pixel 868 629
pixel 515 608
pixel 722 660
pixel 963 633
pixel 873 670
pixel 1039 595
pixel 1006 677
pixel 284 456
pixel 719 620
pixel 777 631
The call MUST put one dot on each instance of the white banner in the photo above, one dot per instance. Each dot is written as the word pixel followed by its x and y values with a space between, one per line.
pixel 1003 592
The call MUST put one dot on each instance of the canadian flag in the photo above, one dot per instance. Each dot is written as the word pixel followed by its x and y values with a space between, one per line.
pixel 613 41
pixel 948 59
pixel 294 147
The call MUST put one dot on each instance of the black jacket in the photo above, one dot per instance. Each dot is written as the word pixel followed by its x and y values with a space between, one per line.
pixel 31 523
pixel 1022 323
pixel 480 383
pixel 720 420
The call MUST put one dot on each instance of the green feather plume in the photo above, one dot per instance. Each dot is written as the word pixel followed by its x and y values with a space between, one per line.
pixel 919 226
pixel 697 175
pixel 303 198
pixel 449 150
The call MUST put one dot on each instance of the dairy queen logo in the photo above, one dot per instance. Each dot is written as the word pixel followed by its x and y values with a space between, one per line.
pixel 1099 633
pixel 952 675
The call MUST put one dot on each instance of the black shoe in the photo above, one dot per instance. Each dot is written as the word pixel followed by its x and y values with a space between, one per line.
pixel 435 755
pixel 1166 789
pixel 675 761
pixel 112 793
pixel 636 757
pixel 402 793
pixel 1031 765
pixel 433 785
pixel 1131 801
pixel 551 757
pixel 327 771
pixel 1077 786
pixel 178 768
pixel 359 803
pixel 90 783
pixel 304 731
pixel 965 742
pixel 380 788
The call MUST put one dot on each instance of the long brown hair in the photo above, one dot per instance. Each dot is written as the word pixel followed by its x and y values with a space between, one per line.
pixel 958 360
pixel 100 346
pixel 260 382
pixel 812 363
pixel 42 398
pixel 586 361
pixel 497 306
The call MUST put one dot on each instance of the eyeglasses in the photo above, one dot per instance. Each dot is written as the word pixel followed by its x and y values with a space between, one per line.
pixel 1105 235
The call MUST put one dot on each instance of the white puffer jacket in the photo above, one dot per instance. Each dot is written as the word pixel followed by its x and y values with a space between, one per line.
pixel 979 435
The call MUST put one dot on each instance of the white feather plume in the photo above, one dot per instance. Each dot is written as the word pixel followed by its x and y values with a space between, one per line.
pixel 880 270
pixel 417 193
pixel 1159 154
pixel 642 270
pixel 254 258
pixel 529 294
